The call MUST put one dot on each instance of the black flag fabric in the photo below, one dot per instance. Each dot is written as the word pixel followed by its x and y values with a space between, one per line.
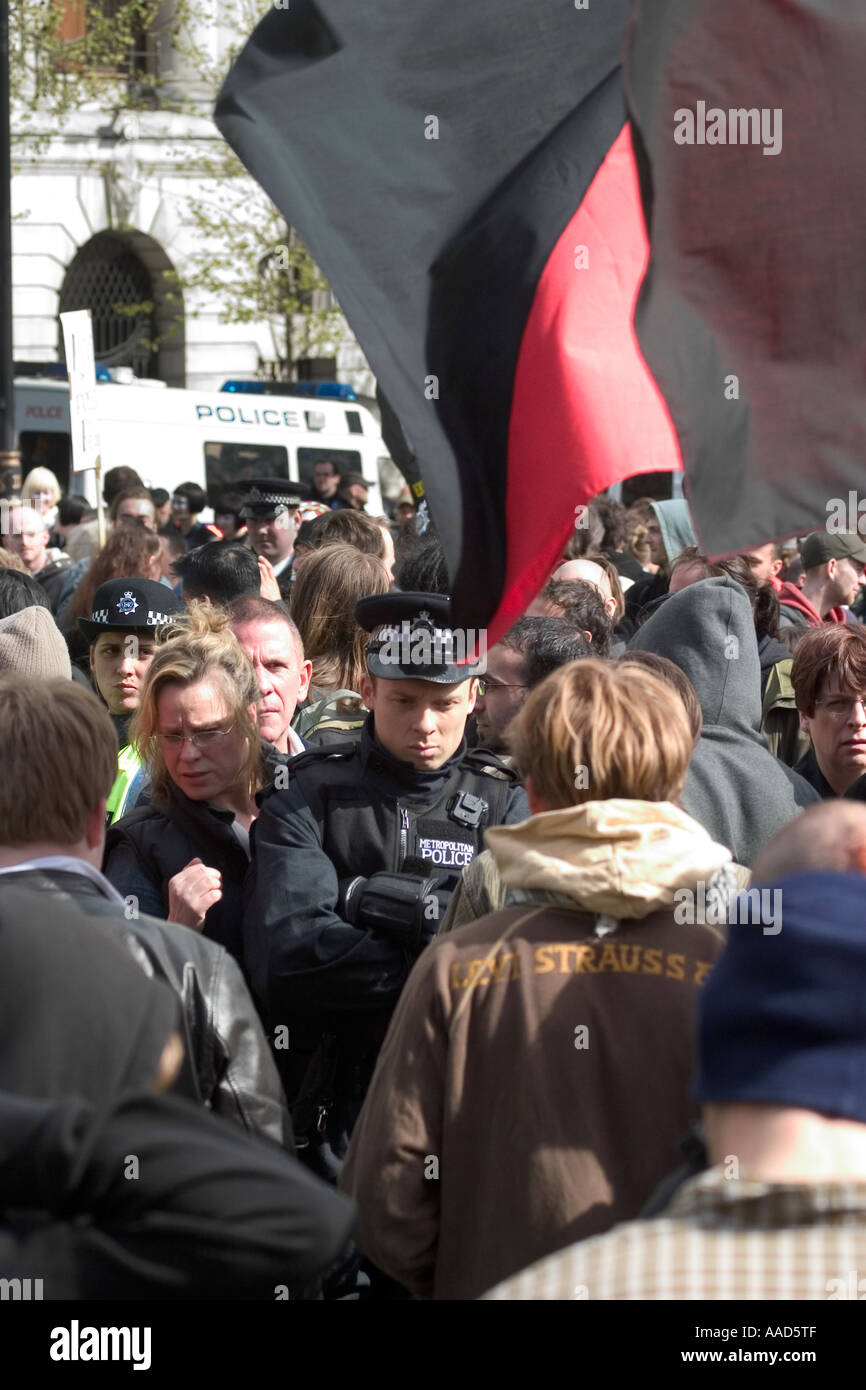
pixel 749 119
pixel 464 176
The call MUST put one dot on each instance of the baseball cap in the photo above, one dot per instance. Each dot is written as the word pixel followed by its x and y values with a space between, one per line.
pixel 822 546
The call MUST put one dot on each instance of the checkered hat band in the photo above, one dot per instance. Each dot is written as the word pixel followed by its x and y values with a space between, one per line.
pixel 101 615
pixel 272 499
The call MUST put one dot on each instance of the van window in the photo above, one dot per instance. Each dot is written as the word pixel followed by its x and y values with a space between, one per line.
pixel 46 451
pixel 347 460
pixel 226 465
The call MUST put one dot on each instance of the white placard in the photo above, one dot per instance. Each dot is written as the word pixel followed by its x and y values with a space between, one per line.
pixel 80 364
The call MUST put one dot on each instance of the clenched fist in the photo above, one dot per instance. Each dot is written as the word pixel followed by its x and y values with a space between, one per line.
pixel 191 892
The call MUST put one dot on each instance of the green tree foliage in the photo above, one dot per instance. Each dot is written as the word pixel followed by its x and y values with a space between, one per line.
pixel 255 266
pixel 69 54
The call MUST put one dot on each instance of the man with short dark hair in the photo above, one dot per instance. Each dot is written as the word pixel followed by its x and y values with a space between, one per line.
pixel 352 491
pixel 833 562
pixel 519 661
pixel 326 480
pixel 118 480
pixel 220 572
pixel 581 603
pixel 765 562
pixel 136 504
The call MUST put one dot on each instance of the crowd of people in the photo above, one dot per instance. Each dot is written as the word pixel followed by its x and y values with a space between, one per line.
pixel 527 973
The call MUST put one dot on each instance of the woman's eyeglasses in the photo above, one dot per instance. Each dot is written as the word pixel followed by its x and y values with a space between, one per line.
pixel 202 738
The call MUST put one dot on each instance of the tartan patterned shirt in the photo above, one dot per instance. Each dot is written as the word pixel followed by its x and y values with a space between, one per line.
pixel 720 1238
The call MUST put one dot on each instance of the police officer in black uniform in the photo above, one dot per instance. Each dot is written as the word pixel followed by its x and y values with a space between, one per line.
pixel 271 512
pixel 355 861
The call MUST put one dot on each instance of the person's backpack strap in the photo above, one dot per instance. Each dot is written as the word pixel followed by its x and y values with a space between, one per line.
pixel 309 719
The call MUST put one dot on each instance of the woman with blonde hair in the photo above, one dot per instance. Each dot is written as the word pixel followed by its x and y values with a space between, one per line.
pixel 324 595
pixel 185 855
pixel 42 491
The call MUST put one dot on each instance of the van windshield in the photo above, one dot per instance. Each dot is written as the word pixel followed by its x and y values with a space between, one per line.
pixel 347 461
pixel 226 465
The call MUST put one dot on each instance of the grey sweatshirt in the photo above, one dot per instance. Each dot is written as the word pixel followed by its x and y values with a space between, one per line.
pixel 735 788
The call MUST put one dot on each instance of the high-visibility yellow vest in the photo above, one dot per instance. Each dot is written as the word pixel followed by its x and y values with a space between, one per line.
pixel 128 768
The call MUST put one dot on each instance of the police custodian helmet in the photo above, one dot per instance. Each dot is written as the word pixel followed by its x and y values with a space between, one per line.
pixel 411 638
pixel 267 498
pixel 129 605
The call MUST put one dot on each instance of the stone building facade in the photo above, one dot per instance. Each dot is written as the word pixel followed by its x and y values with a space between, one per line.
pixel 101 216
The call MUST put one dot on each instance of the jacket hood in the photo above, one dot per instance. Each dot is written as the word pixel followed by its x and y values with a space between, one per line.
pixel 708 631
pixel 623 858
pixel 675 524
pixel 792 597
pixel 734 787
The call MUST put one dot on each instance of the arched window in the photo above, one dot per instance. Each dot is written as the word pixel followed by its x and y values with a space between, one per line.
pixel 111 280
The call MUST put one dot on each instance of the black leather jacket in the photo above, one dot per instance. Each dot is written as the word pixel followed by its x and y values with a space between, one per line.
pixel 228 1065
pixel 329 976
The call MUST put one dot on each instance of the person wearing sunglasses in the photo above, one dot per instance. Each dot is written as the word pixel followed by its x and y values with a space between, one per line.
pixel 185 855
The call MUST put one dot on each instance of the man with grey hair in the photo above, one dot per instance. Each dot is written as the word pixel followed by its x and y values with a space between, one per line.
pixel 26 535
pixel 273 644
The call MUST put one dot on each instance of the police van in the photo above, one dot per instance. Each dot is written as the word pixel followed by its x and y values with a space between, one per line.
pixel 216 439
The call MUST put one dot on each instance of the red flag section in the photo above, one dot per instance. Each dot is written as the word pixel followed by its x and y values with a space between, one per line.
pixel 586 411
pixel 442 186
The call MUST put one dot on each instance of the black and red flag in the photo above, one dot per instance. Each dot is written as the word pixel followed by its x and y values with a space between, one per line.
pixel 463 175
pixel 748 119
pixel 471 182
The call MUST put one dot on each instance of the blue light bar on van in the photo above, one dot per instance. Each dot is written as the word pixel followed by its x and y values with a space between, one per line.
pixel 323 390
pixel 55 371
pixel 317 390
